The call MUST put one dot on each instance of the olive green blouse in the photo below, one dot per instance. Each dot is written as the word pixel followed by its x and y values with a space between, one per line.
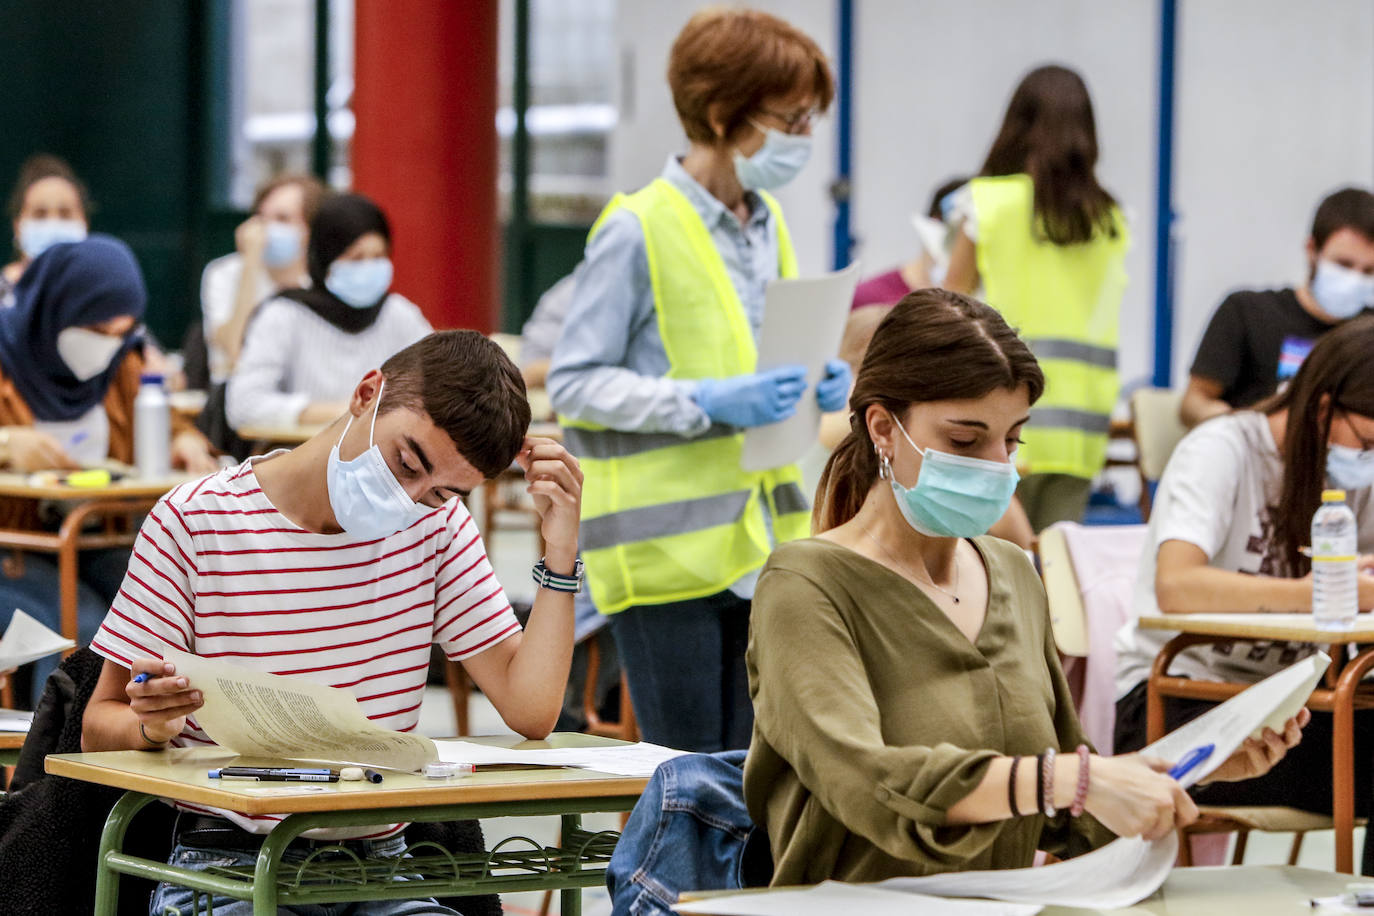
pixel 874 715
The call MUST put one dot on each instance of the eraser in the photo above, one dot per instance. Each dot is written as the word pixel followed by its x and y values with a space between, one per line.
pixel 351 774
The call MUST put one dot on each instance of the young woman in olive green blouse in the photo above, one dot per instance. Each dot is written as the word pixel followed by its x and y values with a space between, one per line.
pixel 905 682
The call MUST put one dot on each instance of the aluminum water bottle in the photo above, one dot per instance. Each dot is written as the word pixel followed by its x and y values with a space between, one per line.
pixel 1335 578
pixel 152 429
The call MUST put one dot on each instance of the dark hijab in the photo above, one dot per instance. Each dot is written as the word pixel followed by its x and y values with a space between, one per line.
pixel 341 220
pixel 69 285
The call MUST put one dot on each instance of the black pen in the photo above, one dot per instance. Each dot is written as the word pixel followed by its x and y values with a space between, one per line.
pixel 276 774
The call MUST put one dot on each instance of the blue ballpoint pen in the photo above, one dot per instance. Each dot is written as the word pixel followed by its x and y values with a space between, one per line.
pixel 1191 760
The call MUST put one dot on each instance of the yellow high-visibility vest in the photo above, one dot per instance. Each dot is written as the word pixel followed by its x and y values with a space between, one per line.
pixel 1065 301
pixel 667 518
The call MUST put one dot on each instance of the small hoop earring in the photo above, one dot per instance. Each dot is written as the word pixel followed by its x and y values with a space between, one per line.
pixel 884 466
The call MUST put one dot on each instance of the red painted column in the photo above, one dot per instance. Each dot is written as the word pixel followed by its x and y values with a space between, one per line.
pixel 425 148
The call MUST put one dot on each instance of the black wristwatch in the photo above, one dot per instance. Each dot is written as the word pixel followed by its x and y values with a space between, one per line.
pixel 554 582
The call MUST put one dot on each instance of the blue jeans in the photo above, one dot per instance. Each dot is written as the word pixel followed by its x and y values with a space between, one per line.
pixel 689 831
pixel 37 593
pixel 171 900
pixel 685 665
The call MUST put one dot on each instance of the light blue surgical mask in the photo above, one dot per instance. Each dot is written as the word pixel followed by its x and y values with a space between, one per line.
pixel 954 496
pixel 38 235
pixel 283 245
pixel 1341 292
pixel 775 163
pixel 1349 468
pixel 361 284
pixel 367 499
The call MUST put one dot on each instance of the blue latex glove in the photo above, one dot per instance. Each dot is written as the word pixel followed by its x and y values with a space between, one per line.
pixel 832 393
pixel 752 400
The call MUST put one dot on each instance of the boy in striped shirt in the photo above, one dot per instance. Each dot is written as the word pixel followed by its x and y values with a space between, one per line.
pixel 340 562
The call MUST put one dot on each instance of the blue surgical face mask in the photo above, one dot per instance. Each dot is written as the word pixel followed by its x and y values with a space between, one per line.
pixel 954 496
pixel 367 499
pixel 38 235
pixel 775 163
pixel 1341 292
pixel 283 245
pixel 1349 468
pixel 361 284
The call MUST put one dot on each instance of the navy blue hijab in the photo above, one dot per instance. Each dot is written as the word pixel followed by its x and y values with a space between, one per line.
pixel 69 285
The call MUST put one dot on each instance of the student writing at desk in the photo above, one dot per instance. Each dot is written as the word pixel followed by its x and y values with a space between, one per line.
pixel 1230 519
pixel 341 562
pixel 902 668
pixel 70 361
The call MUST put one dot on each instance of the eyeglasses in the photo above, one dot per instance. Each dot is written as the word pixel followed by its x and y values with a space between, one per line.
pixel 798 122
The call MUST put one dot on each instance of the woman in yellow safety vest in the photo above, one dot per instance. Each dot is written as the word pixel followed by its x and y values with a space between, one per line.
pixel 1049 245
pixel 654 377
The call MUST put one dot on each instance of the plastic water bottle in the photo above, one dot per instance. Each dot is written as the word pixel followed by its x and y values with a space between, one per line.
pixel 1335 579
pixel 152 429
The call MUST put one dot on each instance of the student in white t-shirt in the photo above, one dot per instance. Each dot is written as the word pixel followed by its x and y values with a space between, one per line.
pixel 340 562
pixel 1230 520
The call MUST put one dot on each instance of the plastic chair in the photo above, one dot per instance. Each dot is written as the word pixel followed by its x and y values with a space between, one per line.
pixel 1157 432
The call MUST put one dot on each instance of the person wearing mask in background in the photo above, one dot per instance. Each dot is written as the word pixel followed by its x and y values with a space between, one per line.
pixel 655 377
pixel 925 270
pixel 1257 339
pixel 49 204
pixel 305 348
pixel 1229 532
pixel 1048 244
pixel 70 362
pixel 269 257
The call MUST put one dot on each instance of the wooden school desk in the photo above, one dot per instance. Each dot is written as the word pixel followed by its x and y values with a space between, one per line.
pixel 1337 694
pixel 10 743
pixel 511 865
pixel 1254 890
pixel 118 504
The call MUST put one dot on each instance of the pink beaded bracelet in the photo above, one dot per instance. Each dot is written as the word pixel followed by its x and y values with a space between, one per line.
pixel 1080 795
pixel 1047 780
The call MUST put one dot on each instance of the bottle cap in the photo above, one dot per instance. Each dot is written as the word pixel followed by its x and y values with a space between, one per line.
pixel 150 378
pixel 1333 496
pixel 442 769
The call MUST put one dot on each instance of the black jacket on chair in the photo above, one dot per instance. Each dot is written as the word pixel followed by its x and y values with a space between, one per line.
pixel 50 826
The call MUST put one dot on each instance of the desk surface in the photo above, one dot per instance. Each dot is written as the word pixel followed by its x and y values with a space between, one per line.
pixel 1293 627
pixel 20 485
pixel 180 773
pixel 11 740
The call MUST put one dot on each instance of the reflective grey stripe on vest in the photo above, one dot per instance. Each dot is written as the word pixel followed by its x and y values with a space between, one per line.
pixel 662 521
pixel 1064 418
pixel 605 444
pixel 789 498
pixel 1056 348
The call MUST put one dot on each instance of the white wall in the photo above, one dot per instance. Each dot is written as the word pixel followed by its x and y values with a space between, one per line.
pixel 1275 106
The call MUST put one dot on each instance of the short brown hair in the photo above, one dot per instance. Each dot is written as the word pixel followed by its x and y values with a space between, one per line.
pixel 732 60
pixel 469 387
pixel 35 169
pixel 1348 208
pixel 312 192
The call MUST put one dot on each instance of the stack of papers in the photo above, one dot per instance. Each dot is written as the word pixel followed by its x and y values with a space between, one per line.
pixel 619 760
pixel 15 720
pixel 833 897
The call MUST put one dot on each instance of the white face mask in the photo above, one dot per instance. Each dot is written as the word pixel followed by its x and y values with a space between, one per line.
pixel 38 235
pixel 367 499
pixel 87 353
pixel 1341 292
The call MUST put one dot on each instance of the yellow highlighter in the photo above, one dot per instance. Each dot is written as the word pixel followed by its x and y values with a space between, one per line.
pixel 89 479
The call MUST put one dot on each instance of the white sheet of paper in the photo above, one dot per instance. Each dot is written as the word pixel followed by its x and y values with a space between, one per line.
pixel 832 897
pixel 1120 874
pixel 1270 703
pixel 803 321
pixel 620 760
pixel 266 715
pixel 15 720
pixel 26 640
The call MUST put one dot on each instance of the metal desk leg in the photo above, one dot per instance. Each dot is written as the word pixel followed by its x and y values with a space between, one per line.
pixel 269 862
pixel 112 840
pixel 1343 757
pixel 570 898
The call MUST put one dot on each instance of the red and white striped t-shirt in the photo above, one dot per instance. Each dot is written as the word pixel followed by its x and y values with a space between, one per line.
pixel 219 572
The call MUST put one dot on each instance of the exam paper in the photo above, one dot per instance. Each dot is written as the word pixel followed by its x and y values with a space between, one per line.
pixel 26 640
pixel 266 715
pixel 620 760
pixel 1271 702
pixel 832 897
pixel 803 321
pixel 15 720
pixel 1120 874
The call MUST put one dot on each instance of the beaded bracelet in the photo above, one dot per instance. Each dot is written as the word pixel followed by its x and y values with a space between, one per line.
pixel 1080 794
pixel 1011 787
pixel 1047 782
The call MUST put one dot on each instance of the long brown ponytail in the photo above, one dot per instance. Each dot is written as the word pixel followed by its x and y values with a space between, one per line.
pixel 934 345
pixel 1339 368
